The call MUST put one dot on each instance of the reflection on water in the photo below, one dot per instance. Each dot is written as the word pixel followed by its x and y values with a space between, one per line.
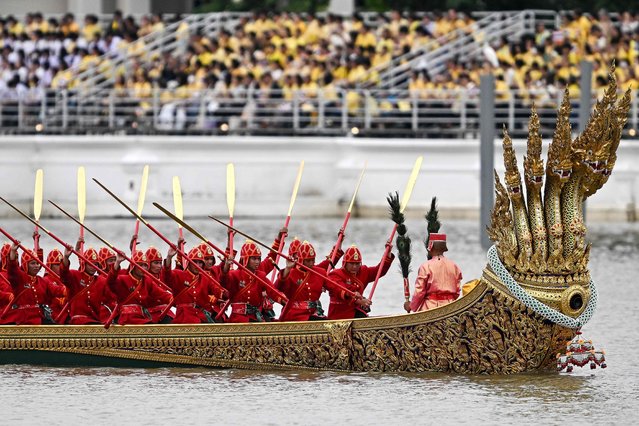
pixel 203 396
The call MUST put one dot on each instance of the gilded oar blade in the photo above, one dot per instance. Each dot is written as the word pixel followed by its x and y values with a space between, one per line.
pixel 411 183
pixel 82 194
pixel 230 188
pixel 296 187
pixel 145 180
pixel 177 198
pixel 359 182
pixel 37 194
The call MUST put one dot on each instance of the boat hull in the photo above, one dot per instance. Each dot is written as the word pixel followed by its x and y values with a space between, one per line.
pixel 485 332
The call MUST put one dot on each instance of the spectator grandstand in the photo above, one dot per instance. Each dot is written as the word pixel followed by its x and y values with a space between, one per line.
pixel 412 74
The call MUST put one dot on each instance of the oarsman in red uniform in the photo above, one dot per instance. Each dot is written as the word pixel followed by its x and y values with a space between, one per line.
pixel 54 262
pixel 214 271
pixel 245 290
pixel 31 291
pixel 193 291
pixel 438 280
pixel 355 277
pixel 90 299
pixel 303 288
pixel 154 258
pixel 6 292
pixel 136 292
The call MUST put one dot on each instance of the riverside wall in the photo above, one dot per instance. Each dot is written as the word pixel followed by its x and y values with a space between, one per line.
pixel 266 168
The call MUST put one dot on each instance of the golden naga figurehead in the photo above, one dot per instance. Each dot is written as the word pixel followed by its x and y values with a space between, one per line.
pixel 575 169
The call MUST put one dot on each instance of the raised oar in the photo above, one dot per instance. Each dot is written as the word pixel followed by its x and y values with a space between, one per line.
pixel 340 234
pixel 145 180
pixel 64 244
pixel 179 212
pixel 37 206
pixel 119 252
pixel 230 199
pixel 405 197
pixel 52 235
pixel 82 202
pixel 296 187
pixel 159 234
pixel 313 271
pixel 219 250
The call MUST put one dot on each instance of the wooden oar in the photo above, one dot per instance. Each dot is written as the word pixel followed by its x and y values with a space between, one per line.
pixel 159 234
pixel 219 250
pixel 296 187
pixel 145 180
pixel 179 212
pixel 405 197
pixel 230 199
pixel 65 245
pixel 37 207
pixel 340 235
pixel 121 253
pixel 82 203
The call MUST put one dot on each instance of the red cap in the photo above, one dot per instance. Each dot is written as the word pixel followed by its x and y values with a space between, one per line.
pixel 207 251
pixel 4 255
pixel 153 254
pixel 294 247
pixel 140 258
pixel 91 255
pixel 432 237
pixel 195 254
pixel 104 254
pixel 306 251
pixel 54 257
pixel 27 256
pixel 352 255
pixel 249 249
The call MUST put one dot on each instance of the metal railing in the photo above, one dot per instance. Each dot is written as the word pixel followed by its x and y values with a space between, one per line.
pixel 433 56
pixel 429 113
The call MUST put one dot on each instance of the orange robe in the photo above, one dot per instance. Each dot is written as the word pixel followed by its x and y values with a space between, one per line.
pixel 438 284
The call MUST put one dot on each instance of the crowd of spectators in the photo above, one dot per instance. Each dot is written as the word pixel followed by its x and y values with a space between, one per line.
pixel 285 56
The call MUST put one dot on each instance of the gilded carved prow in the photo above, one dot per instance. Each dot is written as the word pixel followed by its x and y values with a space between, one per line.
pixel 551 228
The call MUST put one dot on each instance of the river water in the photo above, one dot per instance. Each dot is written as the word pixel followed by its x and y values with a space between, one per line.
pixel 33 395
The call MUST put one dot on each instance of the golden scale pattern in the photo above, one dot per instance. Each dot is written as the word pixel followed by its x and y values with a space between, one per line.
pixel 540 240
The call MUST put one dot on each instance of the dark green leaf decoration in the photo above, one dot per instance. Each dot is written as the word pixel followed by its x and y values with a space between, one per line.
pixel 403 241
pixel 432 221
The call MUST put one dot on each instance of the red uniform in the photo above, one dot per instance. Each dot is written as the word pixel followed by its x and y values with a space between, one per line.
pixel 153 254
pixel 341 308
pixel 6 292
pixel 193 293
pixel 136 296
pixel 31 294
pixel 57 303
pixel 303 288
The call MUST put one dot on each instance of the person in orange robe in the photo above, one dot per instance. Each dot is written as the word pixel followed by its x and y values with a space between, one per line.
pixel 355 277
pixel 192 289
pixel 438 280
pixel 135 291
pixel 246 291
pixel 303 288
